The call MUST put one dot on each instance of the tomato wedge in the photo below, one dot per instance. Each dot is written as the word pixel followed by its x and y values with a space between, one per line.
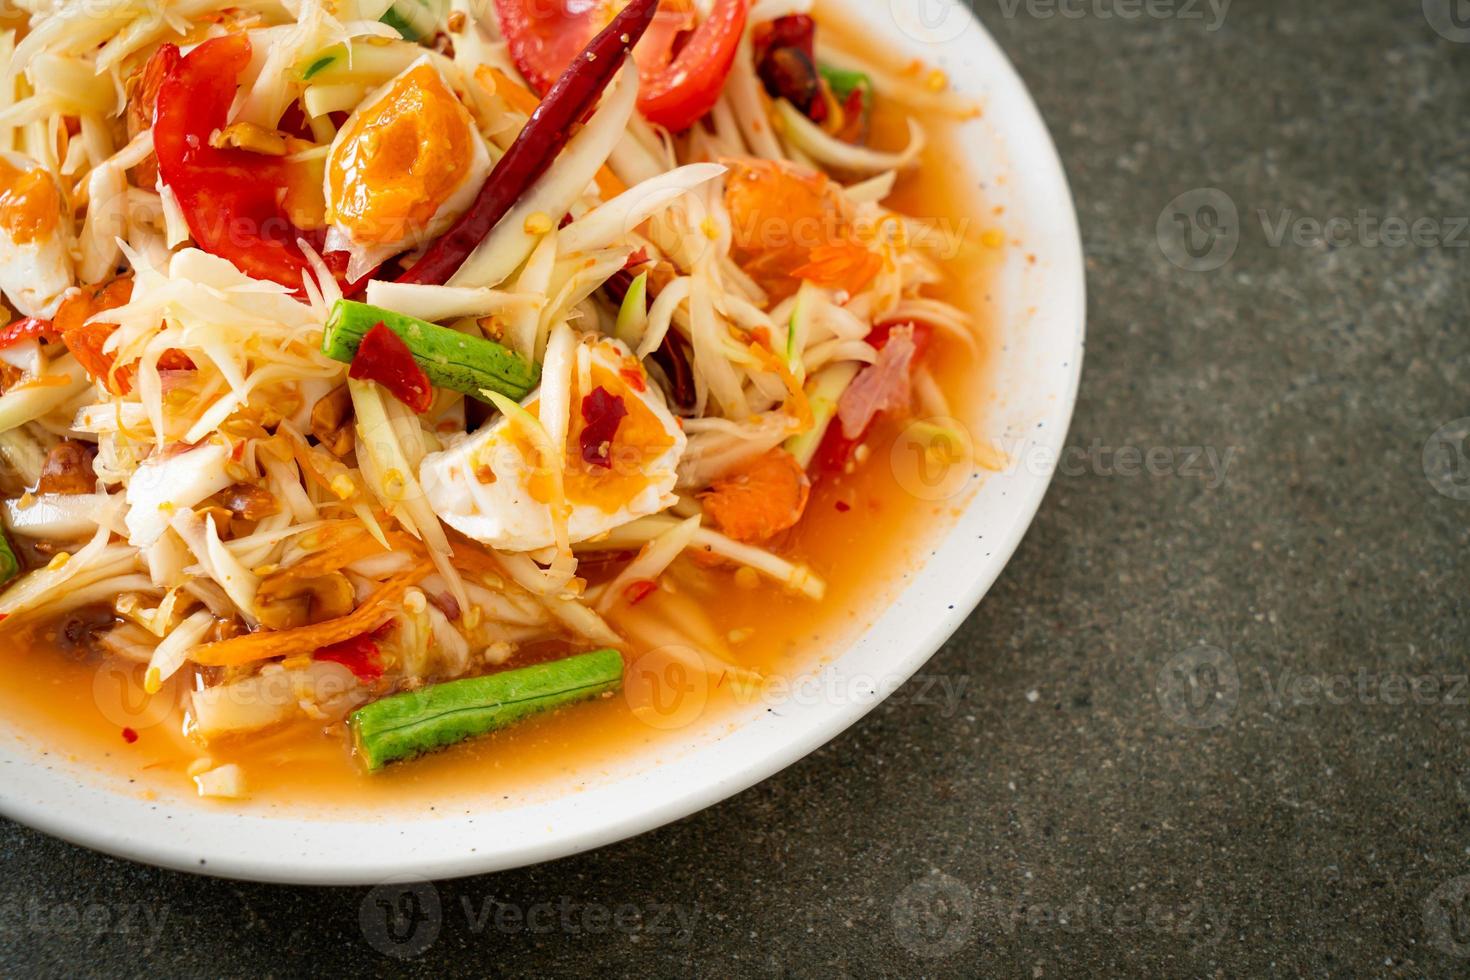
pixel 360 654
pixel 231 198
pixel 680 95
pixel 678 88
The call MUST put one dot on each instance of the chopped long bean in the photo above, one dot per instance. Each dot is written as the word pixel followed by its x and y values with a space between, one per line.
pixel 451 359
pixel 435 717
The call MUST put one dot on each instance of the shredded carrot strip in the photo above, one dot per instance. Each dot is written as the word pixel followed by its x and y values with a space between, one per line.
pixel 523 101
pixel 841 265
pixel 373 612
pixel 344 544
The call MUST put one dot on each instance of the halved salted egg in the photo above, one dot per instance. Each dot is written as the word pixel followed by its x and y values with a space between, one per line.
pixel 35 260
pixel 622 453
pixel 403 167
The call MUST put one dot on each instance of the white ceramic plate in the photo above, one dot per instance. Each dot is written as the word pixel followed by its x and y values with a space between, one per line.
pixel 1041 324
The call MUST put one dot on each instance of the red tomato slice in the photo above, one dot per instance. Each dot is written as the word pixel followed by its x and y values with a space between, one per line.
pixel 545 35
pixel 656 49
pixel 680 96
pixel 384 357
pixel 230 198
pixel 360 654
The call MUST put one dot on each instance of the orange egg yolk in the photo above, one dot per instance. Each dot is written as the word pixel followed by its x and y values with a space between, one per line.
pixel 403 156
pixel 30 204
pixel 640 440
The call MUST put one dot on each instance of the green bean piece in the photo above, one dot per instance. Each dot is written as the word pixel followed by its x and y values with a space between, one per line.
pixel 410 724
pixel 451 359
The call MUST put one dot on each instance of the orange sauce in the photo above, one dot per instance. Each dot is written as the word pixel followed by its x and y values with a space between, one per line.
pixel 862 533
pixel 30 204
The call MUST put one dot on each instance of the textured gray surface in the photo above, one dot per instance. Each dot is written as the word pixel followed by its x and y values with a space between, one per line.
pixel 1079 814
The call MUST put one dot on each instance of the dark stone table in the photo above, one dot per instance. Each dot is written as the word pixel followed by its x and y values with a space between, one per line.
pixel 1214 716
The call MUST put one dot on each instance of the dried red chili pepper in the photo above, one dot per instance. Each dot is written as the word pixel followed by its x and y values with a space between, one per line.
pixel 603 412
pixel 384 357
pixel 28 328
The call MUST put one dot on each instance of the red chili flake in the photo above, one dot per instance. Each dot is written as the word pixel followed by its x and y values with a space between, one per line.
pixel 129 736
pixel 602 411
pixel 26 329
pixel 637 591
pixel 359 654
pixel 384 357
pixel 634 377
pixel 843 506
pixel 639 256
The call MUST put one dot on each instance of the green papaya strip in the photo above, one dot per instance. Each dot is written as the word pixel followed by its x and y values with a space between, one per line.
pixel 9 564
